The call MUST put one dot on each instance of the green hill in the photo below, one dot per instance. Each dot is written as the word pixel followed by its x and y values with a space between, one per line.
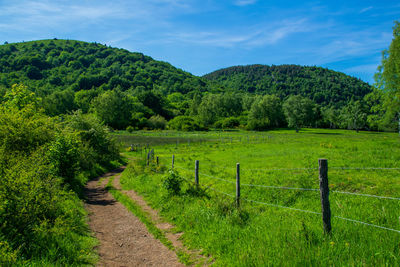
pixel 323 86
pixel 56 65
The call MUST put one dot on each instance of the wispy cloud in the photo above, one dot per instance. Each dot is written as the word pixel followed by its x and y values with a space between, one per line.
pixel 244 2
pixel 248 37
pixel 352 44
pixel 366 9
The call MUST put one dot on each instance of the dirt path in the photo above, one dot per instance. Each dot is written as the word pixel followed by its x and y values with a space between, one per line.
pixel 124 240
pixel 174 237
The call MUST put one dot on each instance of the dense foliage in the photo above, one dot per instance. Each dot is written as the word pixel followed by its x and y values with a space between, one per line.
pixel 44 163
pixel 323 86
pixel 124 89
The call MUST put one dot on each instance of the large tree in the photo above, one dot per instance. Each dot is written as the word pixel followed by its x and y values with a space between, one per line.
pixel 388 78
pixel 299 111
pixel 266 112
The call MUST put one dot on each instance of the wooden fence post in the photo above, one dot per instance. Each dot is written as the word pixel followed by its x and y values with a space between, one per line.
pixel 324 192
pixel 238 185
pixel 157 161
pixel 173 160
pixel 196 172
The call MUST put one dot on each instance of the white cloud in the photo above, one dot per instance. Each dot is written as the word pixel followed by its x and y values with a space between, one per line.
pixel 366 9
pixel 245 2
pixel 247 37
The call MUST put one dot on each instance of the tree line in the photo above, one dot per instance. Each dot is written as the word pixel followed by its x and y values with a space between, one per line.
pixel 132 91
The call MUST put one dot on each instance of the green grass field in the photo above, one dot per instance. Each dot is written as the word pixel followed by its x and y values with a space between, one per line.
pixel 275 225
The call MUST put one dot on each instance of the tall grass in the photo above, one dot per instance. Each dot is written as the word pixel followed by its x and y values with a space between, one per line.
pixel 257 234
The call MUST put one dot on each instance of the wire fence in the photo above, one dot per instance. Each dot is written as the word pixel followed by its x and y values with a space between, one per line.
pixel 299 210
pixel 293 188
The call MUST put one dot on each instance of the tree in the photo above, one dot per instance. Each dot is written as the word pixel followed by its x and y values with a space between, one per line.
pixel 353 116
pixel 266 112
pixel 114 108
pixel 388 78
pixel 298 111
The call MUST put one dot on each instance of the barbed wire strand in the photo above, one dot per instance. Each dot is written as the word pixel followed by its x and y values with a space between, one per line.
pixel 280 187
pixel 362 168
pixel 295 188
pixel 281 169
pixel 279 206
pixel 319 213
pixel 209 187
pixel 369 224
pixel 364 195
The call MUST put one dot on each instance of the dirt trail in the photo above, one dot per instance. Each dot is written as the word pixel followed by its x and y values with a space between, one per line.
pixel 195 255
pixel 124 239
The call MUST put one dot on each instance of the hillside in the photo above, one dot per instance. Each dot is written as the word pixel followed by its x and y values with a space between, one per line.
pixel 323 86
pixel 56 65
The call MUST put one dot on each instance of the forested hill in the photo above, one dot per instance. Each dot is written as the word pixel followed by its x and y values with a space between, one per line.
pixel 322 85
pixel 56 65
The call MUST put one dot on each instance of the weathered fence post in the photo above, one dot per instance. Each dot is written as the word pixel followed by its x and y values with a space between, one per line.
pixel 173 160
pixel 196 172
pixel 238 185
pixel 324 192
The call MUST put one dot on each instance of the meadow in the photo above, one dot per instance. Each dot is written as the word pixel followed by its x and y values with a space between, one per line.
pixel 279 220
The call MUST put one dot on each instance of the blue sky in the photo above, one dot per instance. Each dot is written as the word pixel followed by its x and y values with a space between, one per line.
pixel 200 36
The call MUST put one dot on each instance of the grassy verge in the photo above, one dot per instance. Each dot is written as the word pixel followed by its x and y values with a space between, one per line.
pixel 145 218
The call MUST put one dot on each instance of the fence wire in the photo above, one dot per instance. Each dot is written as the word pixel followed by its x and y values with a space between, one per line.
pixel 308 211
pixel 295 209
pixel 293 188
pixel 363 195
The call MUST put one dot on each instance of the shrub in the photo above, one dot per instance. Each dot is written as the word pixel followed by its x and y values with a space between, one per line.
pixel 184 123
pixel 157 122
pixel 172 182
pixel 130 129
pixel 97 146
pixel 227 123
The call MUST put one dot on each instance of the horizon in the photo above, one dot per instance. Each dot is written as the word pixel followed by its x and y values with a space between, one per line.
pixel 202 37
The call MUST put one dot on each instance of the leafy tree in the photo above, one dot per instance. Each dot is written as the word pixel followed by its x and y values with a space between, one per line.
pixel 59 103
pixel 298 111
pixel 21 97
pixel 156 102
pixel 331 117
pixel 114 108
pixel 84 98
pixel 388 78
pixel 265 113
pixel 353 116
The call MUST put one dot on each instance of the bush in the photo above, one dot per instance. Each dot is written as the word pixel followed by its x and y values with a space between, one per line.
pixel 96 144
pixel 227 123
pixel 185 123
pixel 130 129
pixel 172 182
pixel 157 122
